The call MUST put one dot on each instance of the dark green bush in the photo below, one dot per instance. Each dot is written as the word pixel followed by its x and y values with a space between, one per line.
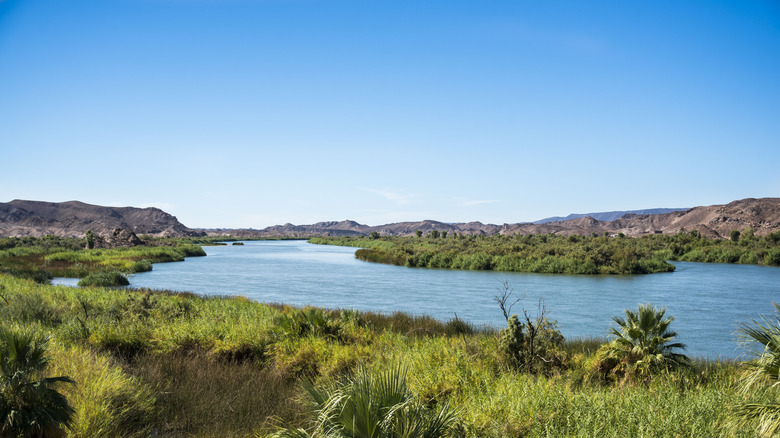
pixel 105 279
pixel 534 346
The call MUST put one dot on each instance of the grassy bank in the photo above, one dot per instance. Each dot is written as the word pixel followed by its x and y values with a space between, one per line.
pixel 175 364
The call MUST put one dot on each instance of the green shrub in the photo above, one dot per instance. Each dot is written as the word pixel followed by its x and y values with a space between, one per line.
pixel 512 341
pixel 532 346
pixel 772 257
pixel 105 279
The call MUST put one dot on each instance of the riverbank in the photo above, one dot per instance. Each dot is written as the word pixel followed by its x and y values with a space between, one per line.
pixel 178 364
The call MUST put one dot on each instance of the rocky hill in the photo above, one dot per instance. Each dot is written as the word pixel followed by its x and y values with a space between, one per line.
pixel 762 215
pixel 35 218
pixel 74 219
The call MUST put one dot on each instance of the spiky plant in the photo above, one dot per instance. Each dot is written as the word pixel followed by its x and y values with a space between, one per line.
pixel 643 343
pixel 29 403
pixel 761 374
pixel 374 406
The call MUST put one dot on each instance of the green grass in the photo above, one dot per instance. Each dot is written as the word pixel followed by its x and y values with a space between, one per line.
pixel 176 364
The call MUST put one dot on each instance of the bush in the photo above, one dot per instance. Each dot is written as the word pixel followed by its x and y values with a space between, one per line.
pixel 532 346
pixel 772 257
pixel 105 279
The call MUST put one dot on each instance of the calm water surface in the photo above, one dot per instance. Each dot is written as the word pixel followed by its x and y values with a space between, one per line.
pixel 708 300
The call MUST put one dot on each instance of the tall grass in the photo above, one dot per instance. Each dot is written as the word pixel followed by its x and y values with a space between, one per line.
pixel 199 396
pixel 108 402
pixel 150 363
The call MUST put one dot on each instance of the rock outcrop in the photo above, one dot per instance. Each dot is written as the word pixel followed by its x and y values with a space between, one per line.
pixel 117 238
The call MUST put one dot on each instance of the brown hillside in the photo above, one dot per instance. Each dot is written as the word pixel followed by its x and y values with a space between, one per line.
pixel 74 219
pixel 762 215
pixel 35 218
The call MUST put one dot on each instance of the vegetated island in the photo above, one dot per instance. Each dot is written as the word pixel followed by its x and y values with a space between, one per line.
pixel 554 254
pixel 96 260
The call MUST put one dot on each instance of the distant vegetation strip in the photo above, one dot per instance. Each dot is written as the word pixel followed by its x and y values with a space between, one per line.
pixel 554 254
pixel 548 254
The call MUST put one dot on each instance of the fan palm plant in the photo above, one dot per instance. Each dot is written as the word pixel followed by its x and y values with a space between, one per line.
pixel 761 373
pixel 374 406
pixel 644 344
pixel 29 404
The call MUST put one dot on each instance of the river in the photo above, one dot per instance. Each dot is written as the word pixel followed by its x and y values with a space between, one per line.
pixel 709 301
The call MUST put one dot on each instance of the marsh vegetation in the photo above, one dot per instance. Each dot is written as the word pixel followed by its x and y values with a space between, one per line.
pixel 554 254
pixel 40 259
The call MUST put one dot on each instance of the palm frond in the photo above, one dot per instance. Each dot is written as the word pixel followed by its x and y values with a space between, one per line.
pixel 374 405
pixel 765 418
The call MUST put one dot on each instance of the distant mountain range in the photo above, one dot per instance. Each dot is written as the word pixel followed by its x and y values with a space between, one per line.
pixel 608 216
pixel 763 215
pixel 73 218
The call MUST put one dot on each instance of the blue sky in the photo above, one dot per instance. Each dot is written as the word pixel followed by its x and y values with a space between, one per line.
pixel 250 113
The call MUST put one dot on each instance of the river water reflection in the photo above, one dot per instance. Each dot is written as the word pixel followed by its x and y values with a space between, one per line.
pixel 709 301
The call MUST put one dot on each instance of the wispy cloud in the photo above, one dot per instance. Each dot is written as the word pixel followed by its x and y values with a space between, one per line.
pixel 400 197
pixel 463 202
